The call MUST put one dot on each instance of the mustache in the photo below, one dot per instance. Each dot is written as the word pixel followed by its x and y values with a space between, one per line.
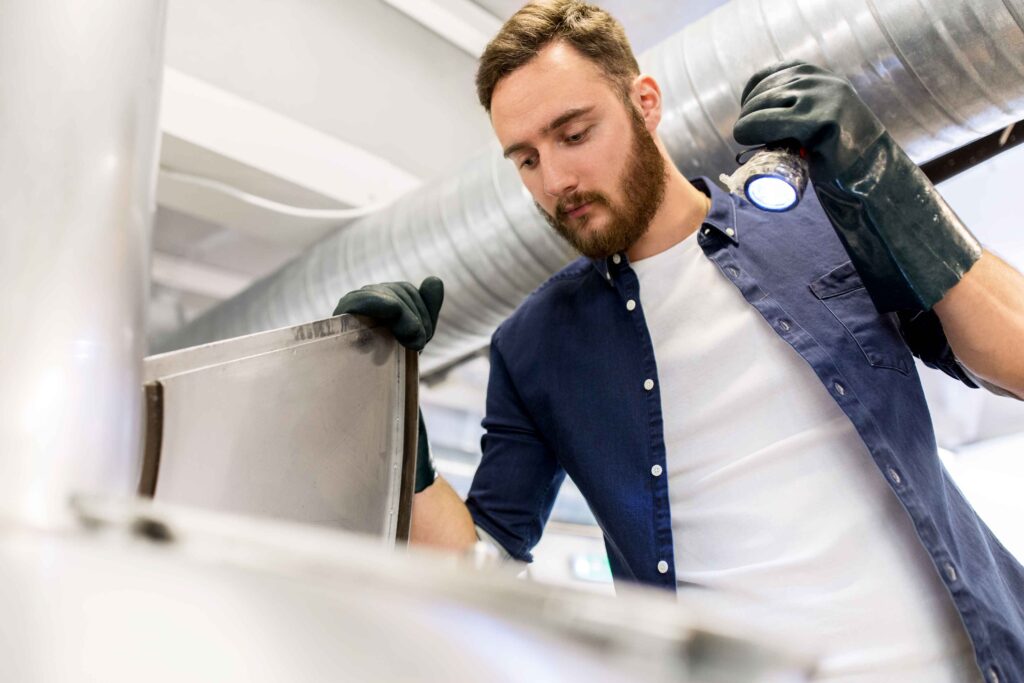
pixel 576 199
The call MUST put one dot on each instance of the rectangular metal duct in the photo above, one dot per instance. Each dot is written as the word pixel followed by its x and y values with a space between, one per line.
pixel 306 423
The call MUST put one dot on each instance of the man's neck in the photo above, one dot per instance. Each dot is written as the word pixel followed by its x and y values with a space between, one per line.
pixel 681 212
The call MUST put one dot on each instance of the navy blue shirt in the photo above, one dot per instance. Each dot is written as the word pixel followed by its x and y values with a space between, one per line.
pixel 567 395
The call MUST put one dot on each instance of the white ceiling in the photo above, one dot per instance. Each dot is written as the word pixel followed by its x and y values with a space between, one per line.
pixel 357 70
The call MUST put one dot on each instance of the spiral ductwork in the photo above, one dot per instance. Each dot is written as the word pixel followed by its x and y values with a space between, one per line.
pixel 939 74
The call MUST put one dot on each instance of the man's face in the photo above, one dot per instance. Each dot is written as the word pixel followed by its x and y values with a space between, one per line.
pixel 587 158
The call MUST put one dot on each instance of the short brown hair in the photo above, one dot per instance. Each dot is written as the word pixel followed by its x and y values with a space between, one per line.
pixel 589 29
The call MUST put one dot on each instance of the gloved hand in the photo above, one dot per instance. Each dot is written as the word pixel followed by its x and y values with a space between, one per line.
pixel 906 243
pixel 411 315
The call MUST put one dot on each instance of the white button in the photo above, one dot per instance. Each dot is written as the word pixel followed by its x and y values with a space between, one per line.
pixel 992 676
pixel 730 232
pixel 895 476
pixel 656 470
pixel 630 305
pixel 662 567
pixel 950 572
pixel 707 231
pixel 733 271
pixel 784 324
pixel 648 384
pixel 840 389
pixel 616 259
pixel 608 275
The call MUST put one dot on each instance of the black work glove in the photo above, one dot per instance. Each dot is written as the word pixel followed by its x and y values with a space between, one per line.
pixel 906 243
pixel 411 315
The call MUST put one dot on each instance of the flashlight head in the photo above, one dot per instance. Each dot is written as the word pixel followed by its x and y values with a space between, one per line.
pixel 772 192
pixel 772 179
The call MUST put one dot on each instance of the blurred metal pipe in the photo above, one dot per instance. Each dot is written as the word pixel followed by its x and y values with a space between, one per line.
pixel 79 89
pixel 939 74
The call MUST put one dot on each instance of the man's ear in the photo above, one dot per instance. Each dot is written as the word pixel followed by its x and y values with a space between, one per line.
pixel 646 95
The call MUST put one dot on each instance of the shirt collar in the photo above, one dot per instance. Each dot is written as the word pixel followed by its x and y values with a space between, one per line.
pixel 721 218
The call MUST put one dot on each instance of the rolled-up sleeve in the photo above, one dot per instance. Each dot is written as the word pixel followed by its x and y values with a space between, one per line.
pixel 926 339
pixel 518 478
pixel 923 334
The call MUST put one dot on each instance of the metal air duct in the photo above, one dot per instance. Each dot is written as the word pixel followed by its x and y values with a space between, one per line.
pixel 938 73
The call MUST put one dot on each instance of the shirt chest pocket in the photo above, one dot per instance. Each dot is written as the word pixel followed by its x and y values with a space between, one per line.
pixel 842 291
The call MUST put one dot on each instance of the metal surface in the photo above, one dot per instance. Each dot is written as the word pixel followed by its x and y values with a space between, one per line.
pixel 304 423
pixel 79 91
pixel 938 74
pixel 147 593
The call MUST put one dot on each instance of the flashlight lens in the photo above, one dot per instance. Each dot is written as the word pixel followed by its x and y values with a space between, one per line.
pixel 771 193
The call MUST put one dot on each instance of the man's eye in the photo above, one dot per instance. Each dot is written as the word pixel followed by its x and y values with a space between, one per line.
pixel 528 162
pixel 577 137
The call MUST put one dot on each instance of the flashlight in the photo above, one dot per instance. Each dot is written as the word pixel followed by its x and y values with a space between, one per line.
pixel 772 179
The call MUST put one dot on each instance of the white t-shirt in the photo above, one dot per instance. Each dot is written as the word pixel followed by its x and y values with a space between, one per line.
pixel 773 494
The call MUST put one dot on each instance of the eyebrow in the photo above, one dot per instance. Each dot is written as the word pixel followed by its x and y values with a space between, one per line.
pixel 555 124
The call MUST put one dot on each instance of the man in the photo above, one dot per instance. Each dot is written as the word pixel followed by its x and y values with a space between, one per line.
pixel 719 382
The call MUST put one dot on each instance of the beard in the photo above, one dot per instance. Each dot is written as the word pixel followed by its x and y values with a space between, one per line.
pixel 642 186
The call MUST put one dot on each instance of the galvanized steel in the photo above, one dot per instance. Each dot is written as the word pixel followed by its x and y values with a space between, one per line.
pixel 305 423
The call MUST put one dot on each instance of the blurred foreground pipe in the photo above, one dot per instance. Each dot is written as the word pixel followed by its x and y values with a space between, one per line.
pixel 79 89
pixel 939 74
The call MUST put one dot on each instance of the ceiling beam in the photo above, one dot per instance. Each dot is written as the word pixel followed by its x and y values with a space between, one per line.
pixel 238 139
pixel 461 22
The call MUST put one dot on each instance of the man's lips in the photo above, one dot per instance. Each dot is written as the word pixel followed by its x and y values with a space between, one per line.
pixel 578 210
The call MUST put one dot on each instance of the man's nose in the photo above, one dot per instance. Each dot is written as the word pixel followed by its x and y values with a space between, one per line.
pixel 558 179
